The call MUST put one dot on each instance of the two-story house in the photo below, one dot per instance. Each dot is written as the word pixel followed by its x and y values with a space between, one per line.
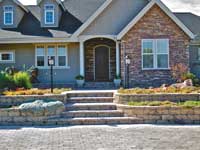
pixel 92 38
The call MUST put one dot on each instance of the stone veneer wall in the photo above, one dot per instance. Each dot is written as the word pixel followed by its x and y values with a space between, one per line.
pixel 89 57
pixel 163 115
pixel 125 99
pixel 154 24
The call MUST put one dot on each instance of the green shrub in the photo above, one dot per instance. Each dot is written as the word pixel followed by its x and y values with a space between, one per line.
pixel 191 76
pixel 22 80
pixel 6 81
pixel 79 77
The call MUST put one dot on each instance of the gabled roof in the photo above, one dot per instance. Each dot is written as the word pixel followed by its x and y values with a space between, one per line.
pixel 58 1
pixel 192 21
pixel 146 9
pixel 92 18
pixel 19 4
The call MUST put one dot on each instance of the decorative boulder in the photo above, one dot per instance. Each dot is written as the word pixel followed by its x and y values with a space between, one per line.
pixel 185 84
pixel 41 108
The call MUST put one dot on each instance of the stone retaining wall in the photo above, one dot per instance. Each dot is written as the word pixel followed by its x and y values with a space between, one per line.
pixel 125 99
pixel 15 116
pixel 17 100
pixel 163 115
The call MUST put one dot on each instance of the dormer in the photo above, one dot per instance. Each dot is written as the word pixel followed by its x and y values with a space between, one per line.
pixel 51 12
pixel 11 13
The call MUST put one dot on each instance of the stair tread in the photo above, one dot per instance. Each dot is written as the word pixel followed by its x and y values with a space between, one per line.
pixel 93 111
pixel 77 98
pixel 96 118
pixel 90 104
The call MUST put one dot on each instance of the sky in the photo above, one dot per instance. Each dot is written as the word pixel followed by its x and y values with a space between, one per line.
pixel 175 5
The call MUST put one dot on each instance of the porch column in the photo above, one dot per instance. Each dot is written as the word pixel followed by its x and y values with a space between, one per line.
pixel 117 59
pixel 82 66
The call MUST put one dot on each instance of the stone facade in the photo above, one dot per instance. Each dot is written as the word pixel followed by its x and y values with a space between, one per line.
pixel 163 115
pixel 90 58
pixel 154 24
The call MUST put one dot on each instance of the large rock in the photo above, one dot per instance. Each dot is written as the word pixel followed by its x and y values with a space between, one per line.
pixel 40 108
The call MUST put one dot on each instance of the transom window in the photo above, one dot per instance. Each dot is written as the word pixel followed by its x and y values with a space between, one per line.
pixel 155 53
pixel 58 53
pixel 7 56
pixel 49 14
pixel 8 15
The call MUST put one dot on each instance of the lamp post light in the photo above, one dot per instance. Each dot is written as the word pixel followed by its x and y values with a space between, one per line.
pixel 51 63
pixel 128 62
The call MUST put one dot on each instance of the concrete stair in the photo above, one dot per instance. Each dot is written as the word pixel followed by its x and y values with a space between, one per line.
pixel 91 108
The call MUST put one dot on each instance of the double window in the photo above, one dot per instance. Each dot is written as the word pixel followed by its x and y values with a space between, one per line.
pixel 8 15
pixel 155 53
pixel 58 53
pixel 7 56
pixel 49 14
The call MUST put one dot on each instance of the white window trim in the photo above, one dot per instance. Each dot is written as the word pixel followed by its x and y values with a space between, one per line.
pixel 53 12
pixel 4 14
pixel 155 66
pixel 12 52
pixel 66 52
pixel 56 57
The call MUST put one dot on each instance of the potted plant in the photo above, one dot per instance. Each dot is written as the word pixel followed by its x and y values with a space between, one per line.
pixel 117 80
pixel 80 80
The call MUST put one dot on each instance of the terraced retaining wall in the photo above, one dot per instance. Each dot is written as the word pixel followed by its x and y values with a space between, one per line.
pixel 125 99
pixel 163 115
pixel 17 100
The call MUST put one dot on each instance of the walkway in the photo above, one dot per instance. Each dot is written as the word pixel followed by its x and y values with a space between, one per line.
pixel 145 137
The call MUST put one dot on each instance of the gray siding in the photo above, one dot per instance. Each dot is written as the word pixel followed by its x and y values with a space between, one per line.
pixel 18 14
pixel 83 9
pixel 194 62
pixel 25 55
pixel 118 14
pixel 57 14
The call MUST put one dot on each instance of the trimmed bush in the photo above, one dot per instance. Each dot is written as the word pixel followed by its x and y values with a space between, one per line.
pixel 22 80
pixel 6 81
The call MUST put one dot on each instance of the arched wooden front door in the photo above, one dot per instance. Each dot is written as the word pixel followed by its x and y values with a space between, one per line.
pixel 102 63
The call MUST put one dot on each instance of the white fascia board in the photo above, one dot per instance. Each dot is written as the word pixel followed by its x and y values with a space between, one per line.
pixel 146 9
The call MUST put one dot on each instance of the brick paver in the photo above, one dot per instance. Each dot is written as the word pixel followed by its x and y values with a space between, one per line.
pixel 146 137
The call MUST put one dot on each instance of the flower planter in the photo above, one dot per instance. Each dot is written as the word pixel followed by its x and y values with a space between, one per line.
pixel 117 82
pixel 80 83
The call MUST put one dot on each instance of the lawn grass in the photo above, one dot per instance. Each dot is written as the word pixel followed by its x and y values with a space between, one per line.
pixel 167 90
pixel 166 103
pixel 35 92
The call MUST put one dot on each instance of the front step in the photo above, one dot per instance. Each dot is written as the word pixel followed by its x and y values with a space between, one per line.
pixel 90 106
pixel 90 100
pixel 97 113
pixel 90 94
pixel 94 121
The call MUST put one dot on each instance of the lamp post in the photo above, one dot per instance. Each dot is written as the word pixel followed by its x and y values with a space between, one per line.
pixel 128 62
pixel 51 63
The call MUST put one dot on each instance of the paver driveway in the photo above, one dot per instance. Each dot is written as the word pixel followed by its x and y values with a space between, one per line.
pixel 145 137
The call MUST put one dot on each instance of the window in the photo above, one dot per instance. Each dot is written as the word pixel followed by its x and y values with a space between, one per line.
pixel 62 56
pixel 8 15
pixel 58 53
pixel 40 56
pixel 155 54
pixel 51 53
pixel 49 14
pixel 7 56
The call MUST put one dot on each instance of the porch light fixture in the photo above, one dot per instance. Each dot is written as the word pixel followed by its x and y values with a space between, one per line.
pixel 51 63
pixel 128 60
